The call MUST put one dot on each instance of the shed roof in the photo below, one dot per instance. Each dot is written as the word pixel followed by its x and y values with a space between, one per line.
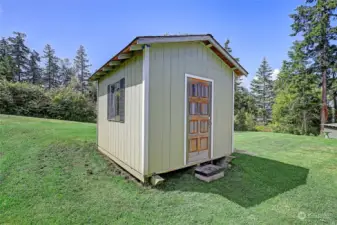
pixel 138 43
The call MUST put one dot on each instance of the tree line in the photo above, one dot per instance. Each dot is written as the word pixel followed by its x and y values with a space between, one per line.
pixel 44 85
pixel 304 96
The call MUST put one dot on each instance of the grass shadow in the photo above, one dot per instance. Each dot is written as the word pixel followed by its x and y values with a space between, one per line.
pixel 251 180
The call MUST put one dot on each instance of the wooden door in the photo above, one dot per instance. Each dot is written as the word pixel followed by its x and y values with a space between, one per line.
pixel 198 119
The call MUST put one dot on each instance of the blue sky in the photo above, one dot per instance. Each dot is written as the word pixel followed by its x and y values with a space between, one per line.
pixel 256 28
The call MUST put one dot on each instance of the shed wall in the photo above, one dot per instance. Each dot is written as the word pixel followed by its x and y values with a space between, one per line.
pixel 168 64
pixel 121 141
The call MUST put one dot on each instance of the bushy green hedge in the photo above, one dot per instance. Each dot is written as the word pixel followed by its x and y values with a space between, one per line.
pixel 32 100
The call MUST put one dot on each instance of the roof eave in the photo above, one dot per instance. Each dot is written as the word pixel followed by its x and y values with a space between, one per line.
pixel 138 42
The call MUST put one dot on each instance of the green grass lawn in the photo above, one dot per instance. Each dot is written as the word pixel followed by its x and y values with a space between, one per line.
pixel 50 173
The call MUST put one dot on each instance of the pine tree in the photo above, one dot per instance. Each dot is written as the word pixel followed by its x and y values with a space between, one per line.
pixel 34 71
pixel 51 70
pixel 238 80
pixel 314 21
pixel 4 47
pixel 82 66
pixel 66 71
pixel 262 90
pixel 19 54
pixel 6 61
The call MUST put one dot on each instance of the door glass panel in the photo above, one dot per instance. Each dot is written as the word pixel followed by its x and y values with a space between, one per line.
pixel 194 90
pixel 204 109
pixel 203 126
pixel 193 126
pixel 203 90
pixel 194 108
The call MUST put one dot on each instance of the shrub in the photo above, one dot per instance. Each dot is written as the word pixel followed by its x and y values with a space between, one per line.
pixel 263 128
pixel 250 122
pixel 244 121
pixel 32 100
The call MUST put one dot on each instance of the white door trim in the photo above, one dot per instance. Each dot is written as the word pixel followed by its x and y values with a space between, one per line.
pixel 185 113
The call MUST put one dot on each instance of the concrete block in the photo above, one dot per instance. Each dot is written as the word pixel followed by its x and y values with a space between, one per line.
pixel 210 178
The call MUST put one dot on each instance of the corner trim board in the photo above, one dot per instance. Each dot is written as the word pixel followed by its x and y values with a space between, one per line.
pixel 145 108
pixel 233 91
pixel 97 105
pixel 185 114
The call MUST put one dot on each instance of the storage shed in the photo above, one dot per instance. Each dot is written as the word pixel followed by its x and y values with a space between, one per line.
pixel 165 103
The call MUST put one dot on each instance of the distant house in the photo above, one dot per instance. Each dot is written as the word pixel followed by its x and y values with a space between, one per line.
pixel 166 102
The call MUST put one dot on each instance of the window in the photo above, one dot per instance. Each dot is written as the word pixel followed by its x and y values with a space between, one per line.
pixel 116 101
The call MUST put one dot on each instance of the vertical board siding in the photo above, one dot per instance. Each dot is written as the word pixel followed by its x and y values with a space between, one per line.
pixel 168 65
pixel 123 140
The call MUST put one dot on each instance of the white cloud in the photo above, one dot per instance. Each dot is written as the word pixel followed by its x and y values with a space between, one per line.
pixel 275 74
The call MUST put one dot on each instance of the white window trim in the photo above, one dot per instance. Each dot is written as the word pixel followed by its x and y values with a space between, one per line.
pixel 145 109
pixel 185 113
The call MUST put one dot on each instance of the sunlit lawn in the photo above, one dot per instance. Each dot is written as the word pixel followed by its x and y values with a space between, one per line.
pixel 50 173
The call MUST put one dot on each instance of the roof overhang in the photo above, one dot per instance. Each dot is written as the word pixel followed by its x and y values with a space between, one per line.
pixel 136 46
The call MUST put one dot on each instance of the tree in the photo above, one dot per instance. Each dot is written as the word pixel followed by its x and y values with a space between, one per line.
pixel 82 66
pixel 6 61
pixel 314 21
pixel 19 53
pixel 34 71
pixel 297 103
pixel 66 71
pixel 238 80
pixel 262 90
pixel 51 71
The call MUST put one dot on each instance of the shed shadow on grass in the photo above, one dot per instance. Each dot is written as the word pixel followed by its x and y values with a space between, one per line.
pixel 251 181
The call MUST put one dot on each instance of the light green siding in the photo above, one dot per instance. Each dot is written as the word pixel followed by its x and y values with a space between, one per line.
pixel 122 141
pixel 168 65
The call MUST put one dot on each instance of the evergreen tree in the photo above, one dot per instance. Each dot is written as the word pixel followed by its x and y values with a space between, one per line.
pixel 262 90
pixel 297 103
pixel 314 21
pixel 66 71
pixel 82 66
pixel 51 70
pixel 244 104
pixel 4 47
pixel 6 61
pixel 34 71
pixel 19 53
pixel 238 80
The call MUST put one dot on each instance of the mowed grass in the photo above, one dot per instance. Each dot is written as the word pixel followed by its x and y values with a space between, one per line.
pixel 50 173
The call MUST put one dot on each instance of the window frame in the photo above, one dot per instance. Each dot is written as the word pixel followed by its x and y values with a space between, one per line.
pixel 118 91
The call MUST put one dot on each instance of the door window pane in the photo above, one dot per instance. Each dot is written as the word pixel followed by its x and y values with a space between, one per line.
pixel 203 126
pixel 204 108
pixel 193 126
pixel 194 108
